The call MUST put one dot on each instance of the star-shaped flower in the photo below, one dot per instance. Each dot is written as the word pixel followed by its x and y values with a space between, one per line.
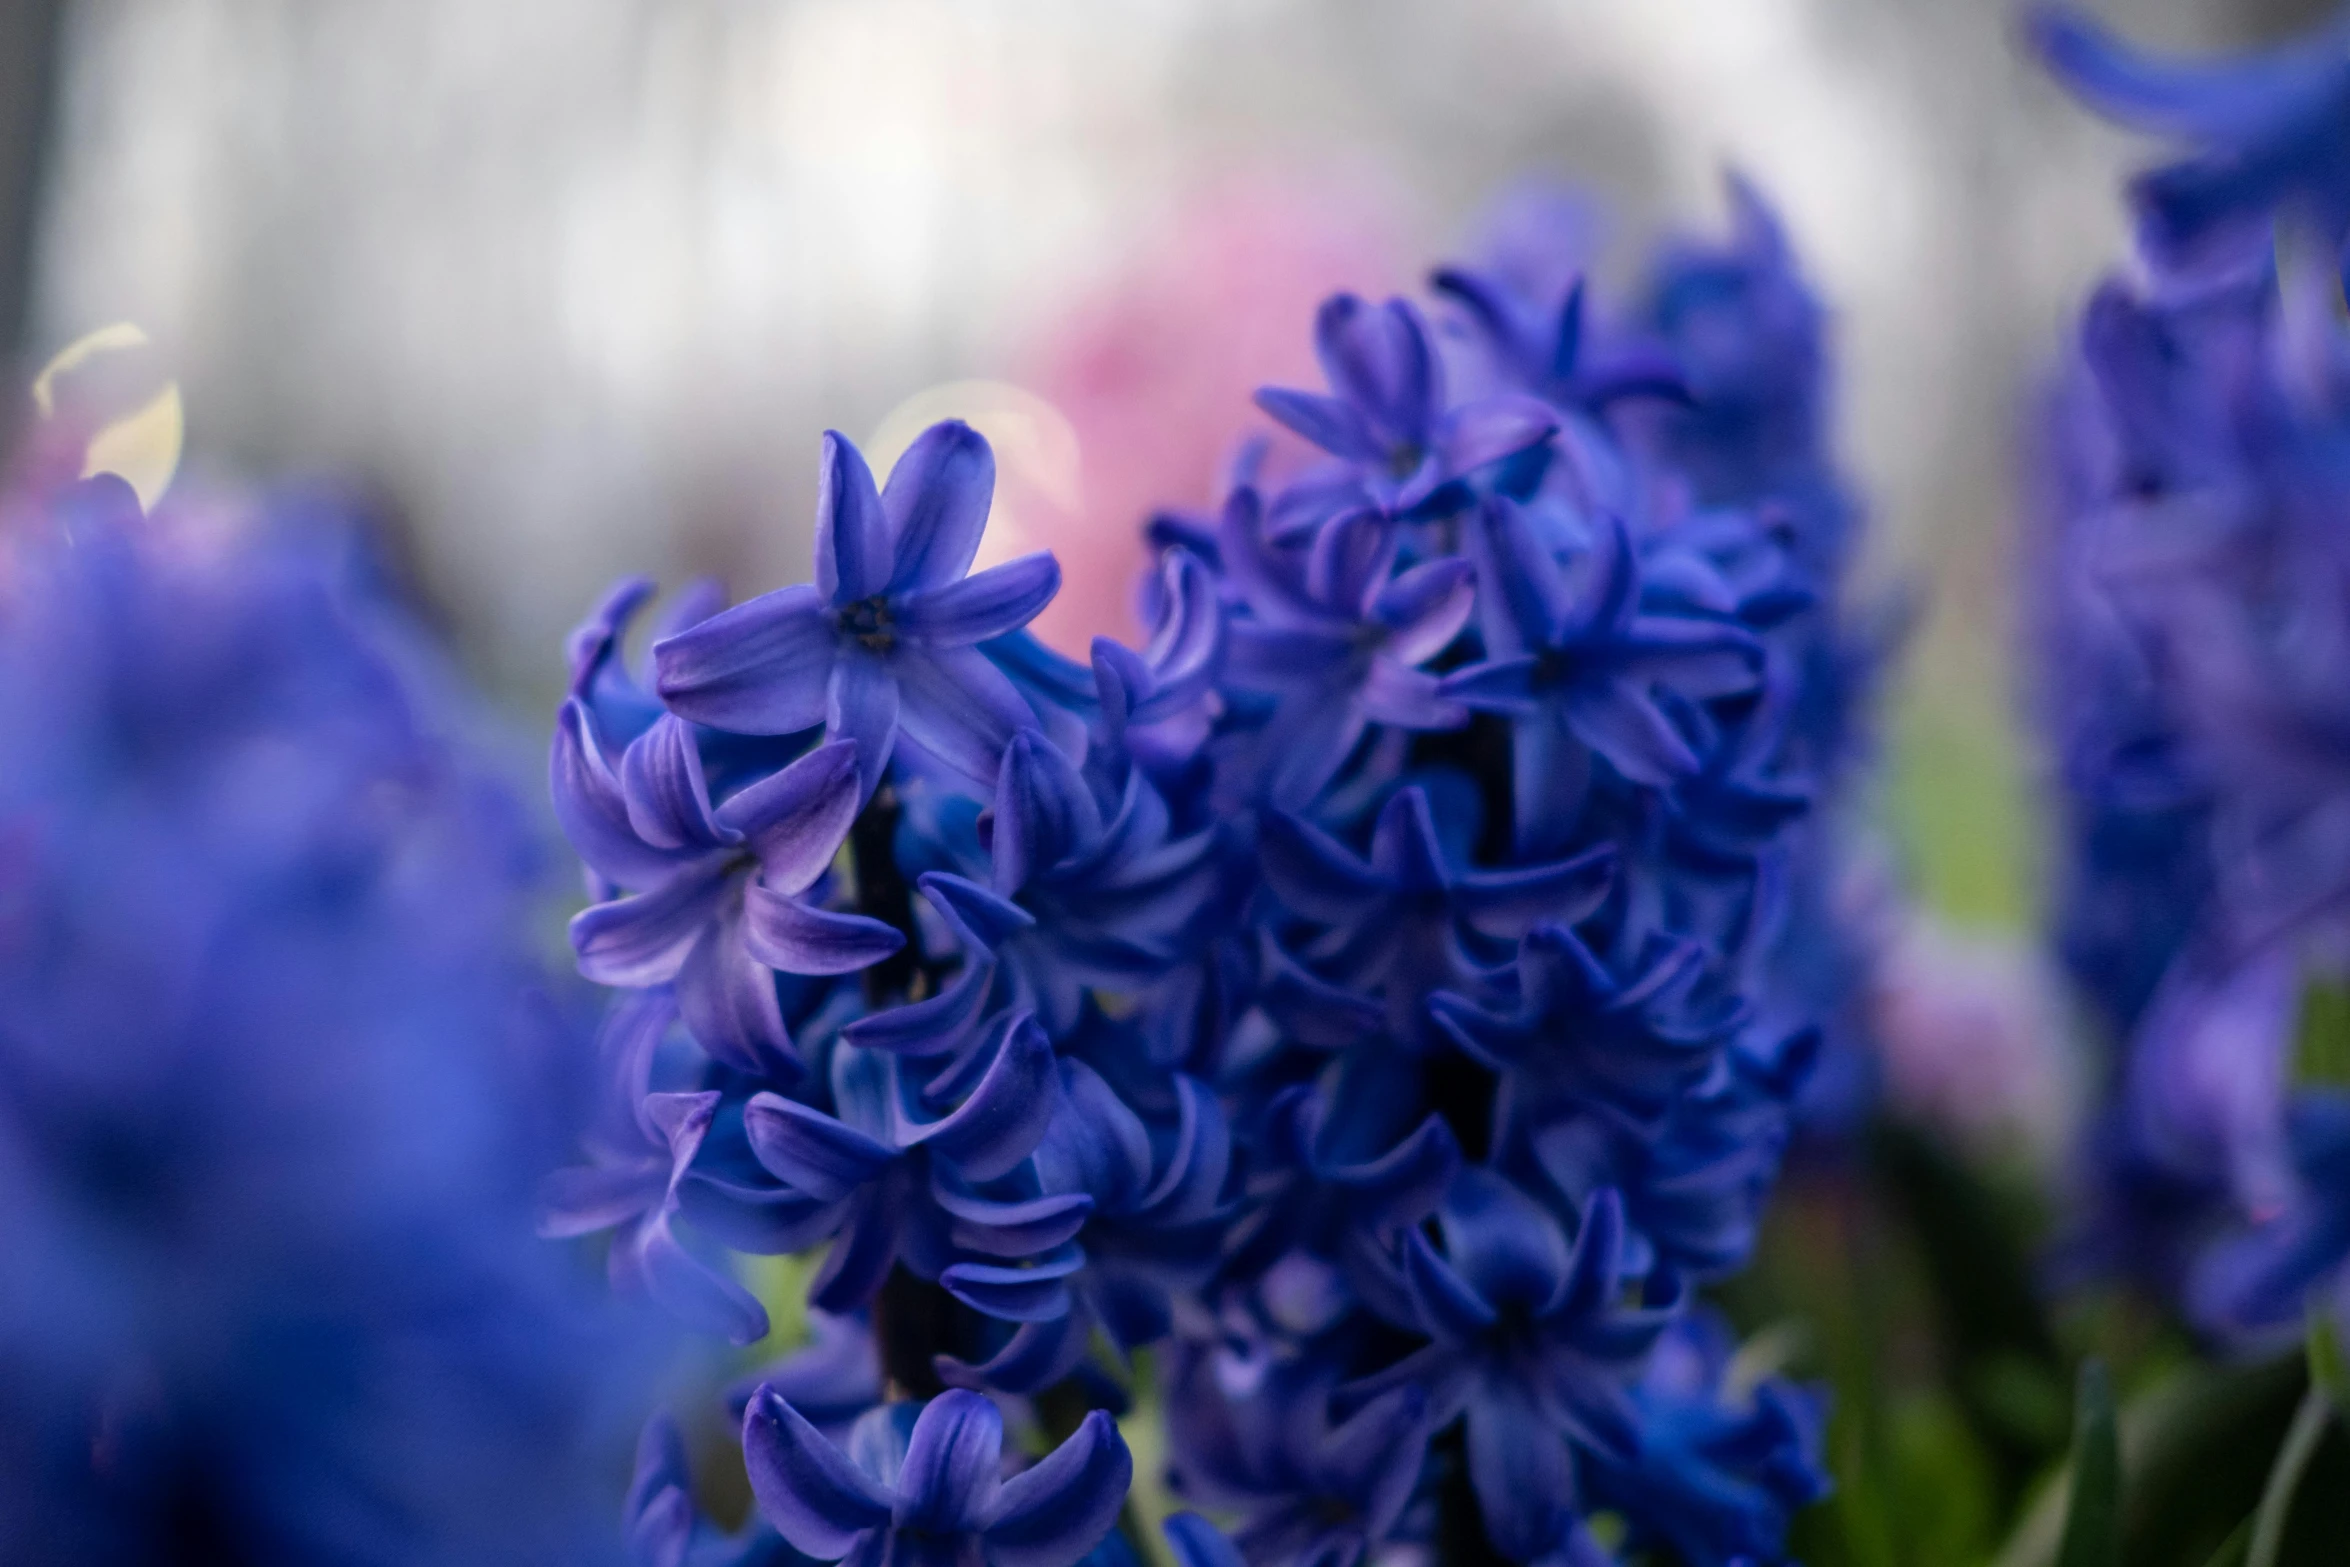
pixel 885 640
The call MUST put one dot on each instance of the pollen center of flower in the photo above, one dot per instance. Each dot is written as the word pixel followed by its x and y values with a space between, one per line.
pixel 868 620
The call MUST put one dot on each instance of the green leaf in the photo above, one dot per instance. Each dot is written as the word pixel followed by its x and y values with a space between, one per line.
pixel 2092 1521
pixel 2321 1045
pixel 2231 1550
pixel 2327 1368
pixel 2276 1501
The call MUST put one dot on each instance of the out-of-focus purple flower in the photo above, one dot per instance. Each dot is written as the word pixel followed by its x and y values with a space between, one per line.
pixel 2267 131
pixel 924 1484
pixel 886 640
pixel 2267 1280
pixel 278 1073
pixel 1718 1474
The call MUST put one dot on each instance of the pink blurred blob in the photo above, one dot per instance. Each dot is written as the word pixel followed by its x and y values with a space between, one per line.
pixel 1154 370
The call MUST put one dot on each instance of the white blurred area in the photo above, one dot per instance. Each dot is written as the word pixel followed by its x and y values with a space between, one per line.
pixel 575 284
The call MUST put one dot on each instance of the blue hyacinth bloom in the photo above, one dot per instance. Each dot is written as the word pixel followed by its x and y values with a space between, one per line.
pixel 924 1486
pixel 886 639
pixel 274 1088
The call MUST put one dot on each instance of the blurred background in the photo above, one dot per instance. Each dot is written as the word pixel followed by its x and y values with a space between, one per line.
pixel 570 286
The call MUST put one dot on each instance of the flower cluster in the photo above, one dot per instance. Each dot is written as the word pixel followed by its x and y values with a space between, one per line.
pixel 273 1099
pixel 1372 993
pixel 2193 577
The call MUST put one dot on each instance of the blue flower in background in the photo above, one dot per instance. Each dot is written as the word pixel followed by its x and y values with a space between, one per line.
pixel 274 1090
pixel 2268 132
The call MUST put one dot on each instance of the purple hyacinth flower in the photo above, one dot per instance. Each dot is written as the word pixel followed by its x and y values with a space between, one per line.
pixel 717 891
pixel 894 1133
pixel 645 1195
pixel 1575 665
pixel 1338 636
pixel 1395 921
pixel 2266 1280
pixel 1143 1205
pixel 922 1486
pixel 1532 1342
pixel 885 641
pixel 1387 418
pixel 2269 130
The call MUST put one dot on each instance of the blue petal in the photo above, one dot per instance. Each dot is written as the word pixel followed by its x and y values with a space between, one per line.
pixel 1033 1292
pixel 691 1290
pixel 1195 1542
pixel 1044 813
pixel 644 940
pixel 999 1125
pixel 794 820
pixel 756 669
pixel 947 1481
pixel 591 809
pixel 668 799
pixel 1448 1307
pixel 937 504
pixel 862 705
pixel 1492 428
pixel 728 1003
pixel 983 918
pixel 992 604
pixel 1405 850
pixel 933 1027
pixel 853 545
pixel 786 934
pixel 1519 1466
pixel 1564 892
pixel 960 708
pixel 1050 1515
pixel 1502 1242
pixel 1313 873
pixel 805 1487
pixel 809 1151
pixel 1329 423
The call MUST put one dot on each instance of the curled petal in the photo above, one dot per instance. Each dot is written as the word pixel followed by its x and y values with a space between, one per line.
pixel 668 800
pixel 1425 607
pixel 1052 1513
pixel 643 940
pixel 786 934
pixel 861 705
pixel 592 809
pixel 1492 428
pixel 947 1481
pixel 795 819
pixel 1000 1124
pixel 805 1487
pixel 1032 1292
pixel 983 919
pixel 809 1151
pixel 691 1290
pixel 1313 873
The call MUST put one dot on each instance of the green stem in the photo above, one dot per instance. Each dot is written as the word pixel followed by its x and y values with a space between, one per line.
pixel 2276 1498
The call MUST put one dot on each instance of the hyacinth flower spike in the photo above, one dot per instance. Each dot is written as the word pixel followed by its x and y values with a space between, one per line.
pixel 717 898
pixel 1385 414
pixel 2269 130
pixel 1573 665
pixel 885 641
pixel 921 1486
